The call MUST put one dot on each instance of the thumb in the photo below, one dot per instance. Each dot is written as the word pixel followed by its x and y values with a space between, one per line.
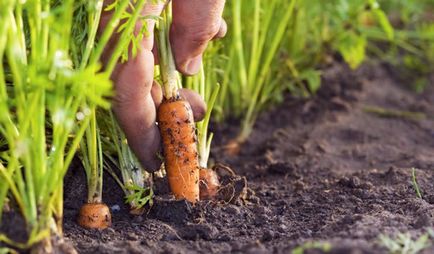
pixel 198 105
pixel 195 23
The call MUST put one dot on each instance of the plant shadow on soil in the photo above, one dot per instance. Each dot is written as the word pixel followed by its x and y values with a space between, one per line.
pixel 322 169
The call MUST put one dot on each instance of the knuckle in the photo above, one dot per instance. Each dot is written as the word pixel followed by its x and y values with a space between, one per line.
pixel 204 34
pixel 121 100
pixel 127 97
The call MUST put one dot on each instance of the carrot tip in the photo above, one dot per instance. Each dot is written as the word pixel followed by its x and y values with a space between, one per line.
pixel 95 216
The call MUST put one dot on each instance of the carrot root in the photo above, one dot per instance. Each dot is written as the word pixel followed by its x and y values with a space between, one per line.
pixel 95 215
pixel 175 120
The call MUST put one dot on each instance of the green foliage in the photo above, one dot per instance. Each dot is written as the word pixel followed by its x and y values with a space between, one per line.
pixel 407 13
pixel 276 46
pixel 337 25
pixel 403 243
pixel 50 87
pixel 7 251
pixel 41 89
pixel 280 46
pixel 139 196
pixel 323 246
pixel 412 51
pixel 352 47
pixel 257 31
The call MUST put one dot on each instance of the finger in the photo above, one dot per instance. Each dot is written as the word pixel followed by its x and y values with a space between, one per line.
pixel 222 30
pixel 133 103
pixel 198 105
pixel 157 94
pixel 135 110
pixel 195 23
pixel 196 101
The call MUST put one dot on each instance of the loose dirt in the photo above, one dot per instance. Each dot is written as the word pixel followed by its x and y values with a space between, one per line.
pixel 336 168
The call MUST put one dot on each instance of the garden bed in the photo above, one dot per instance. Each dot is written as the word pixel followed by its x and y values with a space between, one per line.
pixel 327 169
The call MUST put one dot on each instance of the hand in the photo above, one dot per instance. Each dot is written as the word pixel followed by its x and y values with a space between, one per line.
pixel 195 23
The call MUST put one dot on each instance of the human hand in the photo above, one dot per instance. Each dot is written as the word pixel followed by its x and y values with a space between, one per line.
pixel 195 23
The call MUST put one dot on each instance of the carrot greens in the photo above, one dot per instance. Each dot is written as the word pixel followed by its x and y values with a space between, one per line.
pixel 50 87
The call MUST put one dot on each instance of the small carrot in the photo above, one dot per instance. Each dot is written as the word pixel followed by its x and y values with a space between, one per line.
pixel 209 183
pixel 95 215
pixel 175 119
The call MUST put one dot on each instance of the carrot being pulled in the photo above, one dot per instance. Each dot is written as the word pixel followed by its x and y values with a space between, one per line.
pixel 176 123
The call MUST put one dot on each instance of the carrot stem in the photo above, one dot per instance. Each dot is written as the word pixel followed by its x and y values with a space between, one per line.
pixel 169 75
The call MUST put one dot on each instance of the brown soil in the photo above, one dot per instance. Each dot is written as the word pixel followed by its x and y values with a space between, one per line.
pixel 322 169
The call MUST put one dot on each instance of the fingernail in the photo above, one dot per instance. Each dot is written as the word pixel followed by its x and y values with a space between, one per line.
pixel 193 65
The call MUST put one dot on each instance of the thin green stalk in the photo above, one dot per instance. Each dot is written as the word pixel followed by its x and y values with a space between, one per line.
pixel 415 185
pixel 262 39
pixel 92 159
pixel 20 30
pixel 101 164
pixel 5 119
pixel 254 59
pixel 294 31
pixel 223 100
pixel 238 44
pixel 94 22
pixel 58 209
pixel 114 175
pixel 16 61
pixel 75 144
pixel 168 73
pixel 204 140
pixel 36 238
pixel 11 184
pixel 92 140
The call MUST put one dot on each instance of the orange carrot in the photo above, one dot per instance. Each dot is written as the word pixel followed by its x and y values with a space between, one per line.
pixel 209 183
pixel 95 215
pixel 175 120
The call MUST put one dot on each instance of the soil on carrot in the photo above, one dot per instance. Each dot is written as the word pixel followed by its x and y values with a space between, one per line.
pixel 336 168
